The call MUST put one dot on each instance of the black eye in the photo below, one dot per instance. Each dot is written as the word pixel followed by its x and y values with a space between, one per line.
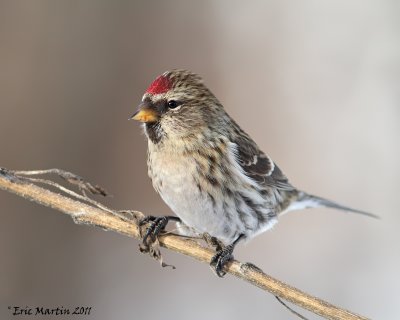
pixel 172 104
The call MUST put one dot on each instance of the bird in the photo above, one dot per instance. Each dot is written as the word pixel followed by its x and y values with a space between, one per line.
pixel 209 171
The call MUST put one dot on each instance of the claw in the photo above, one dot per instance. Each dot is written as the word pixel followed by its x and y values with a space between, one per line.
pixel 220 259
pixel 146 220
pixel 156 226
pixel 223 256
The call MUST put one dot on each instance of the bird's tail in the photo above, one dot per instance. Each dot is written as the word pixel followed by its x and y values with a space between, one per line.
pixel 305 200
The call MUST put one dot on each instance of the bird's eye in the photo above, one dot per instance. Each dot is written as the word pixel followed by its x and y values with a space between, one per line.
pixel 172 104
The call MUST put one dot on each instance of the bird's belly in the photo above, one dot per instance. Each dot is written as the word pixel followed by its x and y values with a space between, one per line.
pixel 207 210
pixel 196 208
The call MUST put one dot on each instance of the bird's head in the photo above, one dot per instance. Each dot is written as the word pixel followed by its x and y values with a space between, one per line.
pixel 178 106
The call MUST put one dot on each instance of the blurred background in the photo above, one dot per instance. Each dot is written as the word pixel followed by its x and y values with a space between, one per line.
pixel 315 83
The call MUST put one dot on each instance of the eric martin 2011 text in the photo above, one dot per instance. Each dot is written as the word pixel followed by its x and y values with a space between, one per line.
pixel 42 311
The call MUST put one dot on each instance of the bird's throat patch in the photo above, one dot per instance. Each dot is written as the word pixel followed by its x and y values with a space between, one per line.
pixel 161 85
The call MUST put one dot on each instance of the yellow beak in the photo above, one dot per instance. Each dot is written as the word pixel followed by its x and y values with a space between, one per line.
pixel 146 114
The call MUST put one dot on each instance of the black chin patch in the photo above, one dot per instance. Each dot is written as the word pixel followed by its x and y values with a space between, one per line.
pixel 154 132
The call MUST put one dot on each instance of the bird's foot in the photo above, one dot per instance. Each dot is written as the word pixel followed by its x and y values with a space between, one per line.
pixel 150 243
pixel 156 225
pixel 220 259
pixel 223 256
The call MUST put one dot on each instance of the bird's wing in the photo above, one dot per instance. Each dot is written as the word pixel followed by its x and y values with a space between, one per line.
pixel 258 166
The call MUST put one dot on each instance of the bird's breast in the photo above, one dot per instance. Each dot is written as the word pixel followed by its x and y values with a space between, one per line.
pixel 206 201
pixel 189 195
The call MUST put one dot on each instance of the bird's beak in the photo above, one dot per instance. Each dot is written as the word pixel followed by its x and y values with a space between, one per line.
pixel 145 113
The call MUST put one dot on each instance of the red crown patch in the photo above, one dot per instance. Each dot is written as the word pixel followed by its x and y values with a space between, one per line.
pixel 161 85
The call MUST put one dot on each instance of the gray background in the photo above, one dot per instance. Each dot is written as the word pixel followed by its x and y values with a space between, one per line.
pixel 315 83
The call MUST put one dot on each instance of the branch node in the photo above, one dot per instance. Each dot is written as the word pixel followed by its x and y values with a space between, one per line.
pixel 10 176
pixel 245 267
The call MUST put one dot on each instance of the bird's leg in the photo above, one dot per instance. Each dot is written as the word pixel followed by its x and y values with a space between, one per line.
pixel 222 256
pixel 156 226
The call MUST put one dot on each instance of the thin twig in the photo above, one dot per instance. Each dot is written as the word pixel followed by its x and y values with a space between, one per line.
pixel 290 309
pixel 86 213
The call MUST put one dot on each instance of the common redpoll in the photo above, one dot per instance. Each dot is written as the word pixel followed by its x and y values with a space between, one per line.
pixel 209 171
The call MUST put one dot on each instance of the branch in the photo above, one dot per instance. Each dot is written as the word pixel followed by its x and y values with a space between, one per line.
pixel 87 211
